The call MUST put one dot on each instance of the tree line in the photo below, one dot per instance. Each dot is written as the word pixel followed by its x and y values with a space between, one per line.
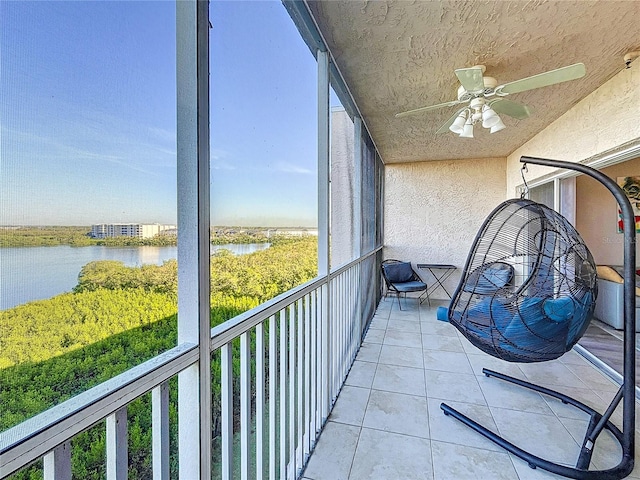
pixel 48 236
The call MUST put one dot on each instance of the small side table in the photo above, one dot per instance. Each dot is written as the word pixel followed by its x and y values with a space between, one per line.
pixel 440 273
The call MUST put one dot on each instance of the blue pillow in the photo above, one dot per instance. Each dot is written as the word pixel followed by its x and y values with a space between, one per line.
pixel 559 309
pixel 398 272
pixel 489 278
pixel 442 314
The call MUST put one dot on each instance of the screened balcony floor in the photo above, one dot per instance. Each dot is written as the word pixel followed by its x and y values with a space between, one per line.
pixel 387 422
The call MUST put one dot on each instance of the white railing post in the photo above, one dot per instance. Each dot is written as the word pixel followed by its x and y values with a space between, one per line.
pixel 282 360
pixel 273 383
pixel 308 385
pixel 57 463
pixel 117 446
pixel 245 404
pixel 260 365
pixel 160 431
pixel 226 369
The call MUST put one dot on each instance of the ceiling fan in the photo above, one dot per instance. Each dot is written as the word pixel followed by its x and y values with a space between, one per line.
pixel 485 98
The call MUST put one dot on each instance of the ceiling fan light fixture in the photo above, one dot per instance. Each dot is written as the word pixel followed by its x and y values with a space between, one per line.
pixel 467 131
pixel 458 124
pixel 498 126
pixel 489 117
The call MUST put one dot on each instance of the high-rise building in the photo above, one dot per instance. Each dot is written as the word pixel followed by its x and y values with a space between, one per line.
pixel 135 230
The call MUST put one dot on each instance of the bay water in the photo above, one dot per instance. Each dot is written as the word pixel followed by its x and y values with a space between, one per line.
pixel 36 273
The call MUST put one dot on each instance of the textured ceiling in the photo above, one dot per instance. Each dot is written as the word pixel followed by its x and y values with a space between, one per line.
pixel 401 55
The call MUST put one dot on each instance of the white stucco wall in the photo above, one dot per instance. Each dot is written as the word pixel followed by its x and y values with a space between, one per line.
pixel 434 209
pixel 600 122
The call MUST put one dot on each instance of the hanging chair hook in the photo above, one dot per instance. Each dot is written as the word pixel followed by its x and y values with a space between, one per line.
pixel 525 190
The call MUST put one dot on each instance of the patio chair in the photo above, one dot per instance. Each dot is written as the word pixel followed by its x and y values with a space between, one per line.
pixel 400 278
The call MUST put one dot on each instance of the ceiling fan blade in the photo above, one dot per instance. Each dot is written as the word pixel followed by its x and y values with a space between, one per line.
pixel 445 128
pixel 471 79
pixel 513 109
pixel 426 109
pixel 564 74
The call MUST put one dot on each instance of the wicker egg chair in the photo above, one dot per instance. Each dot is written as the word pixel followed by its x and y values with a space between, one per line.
pixel 528 289
pixel 527 294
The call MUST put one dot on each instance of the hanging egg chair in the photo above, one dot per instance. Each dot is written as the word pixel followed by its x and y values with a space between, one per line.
pixel 528 289
pixel 527 294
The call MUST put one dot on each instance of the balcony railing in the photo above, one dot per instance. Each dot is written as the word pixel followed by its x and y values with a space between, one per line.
pixel 295 352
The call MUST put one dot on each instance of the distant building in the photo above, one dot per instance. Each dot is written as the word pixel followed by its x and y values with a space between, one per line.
pixel 291 232
pixel 134 230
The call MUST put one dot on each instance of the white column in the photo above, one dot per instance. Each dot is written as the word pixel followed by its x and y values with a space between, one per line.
pixel 323 162
pixel 323 218
pixel 194 383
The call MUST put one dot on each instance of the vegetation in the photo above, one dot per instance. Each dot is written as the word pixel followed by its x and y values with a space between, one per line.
pixel 50 236
pixel 116 318
pixel 46 236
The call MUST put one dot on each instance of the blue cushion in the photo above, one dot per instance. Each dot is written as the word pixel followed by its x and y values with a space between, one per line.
pixel 579 322
pixel 414 286
pixel 559 309
pixel 442 314
pixel 493 308
pixel 398 272
pixel 489 278
pixel 532 319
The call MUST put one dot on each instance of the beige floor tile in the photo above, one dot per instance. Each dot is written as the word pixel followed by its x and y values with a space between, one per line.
pixel 573 358
pixel 446 428
pixel 379 323
pixel 395 378
pixel 586 396
pixel 333 455
pixel 398 413
pixel 404 325
pixel 480 360
pixel 350 406
pixel 402 339
pixel 541 435
pixel 447 361
pixel 361 374
pixel 438 342
pixel 453 386
pixel 374 335
pixel 467 345
pixel 525 472
pixel 390 456
pixel 404 356
pixel 552 373
pixel 460 462
pixel 369 352
pixel 593 378
pixel 499 393
pixel 436 327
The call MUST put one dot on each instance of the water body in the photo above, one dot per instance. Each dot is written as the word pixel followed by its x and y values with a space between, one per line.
pixel 36 273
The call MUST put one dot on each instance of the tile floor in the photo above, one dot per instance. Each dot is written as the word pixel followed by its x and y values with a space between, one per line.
pixel 387 422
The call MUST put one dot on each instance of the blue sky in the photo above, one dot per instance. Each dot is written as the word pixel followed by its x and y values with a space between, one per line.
pixel 87 114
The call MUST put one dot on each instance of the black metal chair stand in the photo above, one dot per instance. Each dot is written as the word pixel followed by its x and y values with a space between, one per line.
pixel 626 393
